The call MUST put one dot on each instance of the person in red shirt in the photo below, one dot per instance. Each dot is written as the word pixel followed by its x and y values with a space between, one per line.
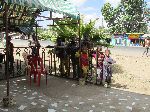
pixel 84 61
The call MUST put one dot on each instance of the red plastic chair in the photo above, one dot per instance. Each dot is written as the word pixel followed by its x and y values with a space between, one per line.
pixel 37 68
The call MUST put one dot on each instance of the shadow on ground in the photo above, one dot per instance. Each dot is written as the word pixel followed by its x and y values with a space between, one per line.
pixel 65 95
pixel 117 85
pixel 117 69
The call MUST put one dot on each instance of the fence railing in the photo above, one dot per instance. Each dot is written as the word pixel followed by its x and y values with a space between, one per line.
pixel 50 60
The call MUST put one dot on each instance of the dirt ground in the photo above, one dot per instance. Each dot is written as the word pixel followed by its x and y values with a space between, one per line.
pixel 132 73
pixel 129 92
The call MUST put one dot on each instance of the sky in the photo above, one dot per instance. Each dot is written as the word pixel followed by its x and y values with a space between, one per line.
pixel 90 9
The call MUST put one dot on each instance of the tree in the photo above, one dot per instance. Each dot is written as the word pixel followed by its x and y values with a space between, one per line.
pixel 46 34
pixel 126 17
pixel 66 29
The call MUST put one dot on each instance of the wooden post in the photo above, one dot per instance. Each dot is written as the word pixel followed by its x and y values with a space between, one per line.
pixel 36 33
pixel 50 14
pixel 6 99
pixel 7 62
pixel 79 74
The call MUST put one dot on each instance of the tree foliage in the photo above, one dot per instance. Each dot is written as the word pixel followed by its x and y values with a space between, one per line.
pixel 126 17
pixel 45 34
pixel 68 29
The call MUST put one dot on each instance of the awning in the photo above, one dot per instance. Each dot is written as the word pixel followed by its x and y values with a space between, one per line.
pixel 60 6
pixel 146 35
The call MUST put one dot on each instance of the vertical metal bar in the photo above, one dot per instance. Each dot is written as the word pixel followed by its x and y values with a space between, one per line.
pixel 55 63
pixel 91 67
pixel 53 22
pixel 44 57
pixel 20 66
pixel 69 66
pixel 36 31
pixel 28 37
pixel 51 57
pixel 49 67
pixel 37 47
pixel 96 63
pixel 17 66
pixel 50 14
pixel 42 54
pixel 7 63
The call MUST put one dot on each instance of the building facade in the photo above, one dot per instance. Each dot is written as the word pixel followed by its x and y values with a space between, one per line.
pixel 128 39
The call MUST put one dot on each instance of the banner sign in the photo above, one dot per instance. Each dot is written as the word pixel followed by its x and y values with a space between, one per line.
pixel 133 36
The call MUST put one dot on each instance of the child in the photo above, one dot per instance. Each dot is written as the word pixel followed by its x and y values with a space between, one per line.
pixel 84 63
pixel 100 59
pixel 107 69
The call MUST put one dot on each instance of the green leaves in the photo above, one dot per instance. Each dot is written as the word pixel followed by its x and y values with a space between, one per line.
pixel 96 35
pixel 127 17
pixel 66 28
pixel 88 29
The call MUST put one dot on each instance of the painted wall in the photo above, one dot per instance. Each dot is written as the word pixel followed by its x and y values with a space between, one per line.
pixel 126 40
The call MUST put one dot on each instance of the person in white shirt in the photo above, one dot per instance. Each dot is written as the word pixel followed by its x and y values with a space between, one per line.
pixel 147 44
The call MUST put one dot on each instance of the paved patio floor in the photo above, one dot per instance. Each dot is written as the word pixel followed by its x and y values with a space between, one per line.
pixel 63 95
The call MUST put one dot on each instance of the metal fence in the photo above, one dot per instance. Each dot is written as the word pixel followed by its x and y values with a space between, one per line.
pixel 50 60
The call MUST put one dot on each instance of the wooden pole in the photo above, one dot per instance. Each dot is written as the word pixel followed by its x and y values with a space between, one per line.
pixel 36 31
pixel 79 33
pixel 37 41
pixel 7 61
pixel 50 14
pixel 79 46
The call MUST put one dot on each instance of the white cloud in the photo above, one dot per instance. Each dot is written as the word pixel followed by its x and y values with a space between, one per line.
pixel 114 3
pixel 78 3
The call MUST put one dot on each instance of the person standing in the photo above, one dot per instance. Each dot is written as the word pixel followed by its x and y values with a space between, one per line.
pixel 61 53
pixel 72 49
pixel 84 63
pixel 10 54
pixel 147 44
pixel 107 68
